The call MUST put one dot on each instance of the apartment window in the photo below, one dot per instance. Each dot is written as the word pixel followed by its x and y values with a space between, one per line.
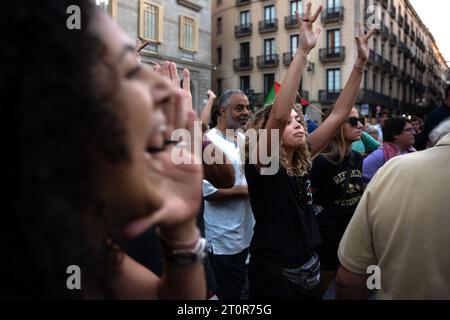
pixel 188 33
pixel 108 6
pixel 151 21
pixel 219 87
pixel 333 41
pixel 294 44
pixel 269 79
pixel 296 6
pixel 333 5
pixel 219 55
pixel 245 50
pixel 245 18
pixel 333 80
pixel 269 49
pixel 219 25
pixel 244 83
pixel 269 14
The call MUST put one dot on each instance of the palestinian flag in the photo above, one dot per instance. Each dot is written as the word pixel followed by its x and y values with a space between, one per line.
pixel 272 94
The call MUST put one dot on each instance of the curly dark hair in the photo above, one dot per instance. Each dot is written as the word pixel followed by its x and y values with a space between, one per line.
pixel 393 127
pixel 61 117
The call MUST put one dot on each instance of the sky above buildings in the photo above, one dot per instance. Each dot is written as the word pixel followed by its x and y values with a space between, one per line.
pixel 435 15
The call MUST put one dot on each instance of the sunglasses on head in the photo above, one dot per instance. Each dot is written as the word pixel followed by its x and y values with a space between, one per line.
pixel 354 121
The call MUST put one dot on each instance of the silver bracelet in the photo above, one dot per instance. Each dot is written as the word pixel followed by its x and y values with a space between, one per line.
pixel 184 257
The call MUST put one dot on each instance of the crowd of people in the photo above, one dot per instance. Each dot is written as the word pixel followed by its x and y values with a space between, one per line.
pixel 98 189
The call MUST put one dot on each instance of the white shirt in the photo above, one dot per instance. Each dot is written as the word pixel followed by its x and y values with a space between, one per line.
pixel 228 223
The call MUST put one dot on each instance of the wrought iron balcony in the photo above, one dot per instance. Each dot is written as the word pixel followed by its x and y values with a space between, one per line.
pixel 384 32
pixel 413 35
pixel 268 61
pixel 333 14
pixel 373 97
pixel 290 22
pixel 394 70
pixel 329 96
pixel 392 11
pixel 243 64
pixel 243 30
pixel 371 57
pixel 268 25
pixel 406 28
pixel 386 66
pixel 242 2
pixel 400 20
pixel 333 54
pixel 392 40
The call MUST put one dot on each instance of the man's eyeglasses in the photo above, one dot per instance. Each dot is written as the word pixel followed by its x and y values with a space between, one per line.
pixel 354 121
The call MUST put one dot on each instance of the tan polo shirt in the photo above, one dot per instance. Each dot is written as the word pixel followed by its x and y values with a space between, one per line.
pixel 402 225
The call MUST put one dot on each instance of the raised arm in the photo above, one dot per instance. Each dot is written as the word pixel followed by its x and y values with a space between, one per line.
pixel 320 137
pixel 289 87
pixel 285 99
pixel 206 113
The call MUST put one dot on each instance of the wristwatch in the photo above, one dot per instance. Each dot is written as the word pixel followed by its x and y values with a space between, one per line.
pixel 183 257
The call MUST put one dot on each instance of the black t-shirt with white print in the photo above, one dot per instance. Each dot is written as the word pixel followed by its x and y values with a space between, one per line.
pixel 285 231
pixel 328 181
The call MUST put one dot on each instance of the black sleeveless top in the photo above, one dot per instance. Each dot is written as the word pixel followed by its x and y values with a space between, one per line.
pixel 285 231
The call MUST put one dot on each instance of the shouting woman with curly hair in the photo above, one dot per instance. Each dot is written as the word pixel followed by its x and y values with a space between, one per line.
pixel 94 162
pixel 283 264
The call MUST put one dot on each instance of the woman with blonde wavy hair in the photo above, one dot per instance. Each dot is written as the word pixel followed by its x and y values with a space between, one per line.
pixel 283 262
pixel 337 185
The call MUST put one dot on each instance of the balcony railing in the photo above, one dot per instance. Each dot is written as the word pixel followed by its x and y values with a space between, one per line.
pixel 243 64
pixel 400 20
pixel 394 70
pixel 268 25
pixel 371 57
pixel 392 40
pixel 413 35
pixel 290 22
pixel 328 96
pixel 242 2
pixel 378 60
pixel 386 66
pixel 402 47
pixel 243 30
pixel 384 32
pixel 333 14
pixel 372 97
pixel 392 11
pixel 268 61
pixel 406 28
pixel 334 54
pixel 287 58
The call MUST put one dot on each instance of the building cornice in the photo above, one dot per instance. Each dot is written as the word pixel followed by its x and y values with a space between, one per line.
pixel 176 60
pixel 190 5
